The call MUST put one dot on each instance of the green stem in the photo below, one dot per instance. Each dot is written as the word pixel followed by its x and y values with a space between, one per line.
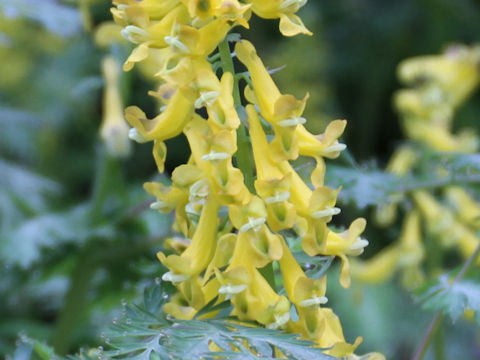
pixel 244 155
pixel 429 335
pixel 439 342
pixel 449 180
pixel 437 319
pixel 71 313
pixel 107 173
pixel 106 167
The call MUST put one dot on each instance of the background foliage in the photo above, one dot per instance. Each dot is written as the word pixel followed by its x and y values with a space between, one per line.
pixel 75 239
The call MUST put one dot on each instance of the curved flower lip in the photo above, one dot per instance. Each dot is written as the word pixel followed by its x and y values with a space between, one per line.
pixel 201 250
pixel 347 243
pixel 325 144
pixel 290 24
pixel 168 124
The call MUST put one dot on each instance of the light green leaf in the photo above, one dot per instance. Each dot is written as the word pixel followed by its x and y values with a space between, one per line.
pixel 453 299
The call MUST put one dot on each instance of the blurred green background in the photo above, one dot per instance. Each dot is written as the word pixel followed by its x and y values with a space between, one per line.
pixel 75 240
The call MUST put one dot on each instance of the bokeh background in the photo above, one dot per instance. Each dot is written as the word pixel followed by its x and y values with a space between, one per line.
pixel 76 238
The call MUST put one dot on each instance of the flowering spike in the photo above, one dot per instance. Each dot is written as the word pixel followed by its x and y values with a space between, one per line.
pixel 226 251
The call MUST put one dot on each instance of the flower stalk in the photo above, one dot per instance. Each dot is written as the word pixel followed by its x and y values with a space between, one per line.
pixel 243 156
pixel 239 191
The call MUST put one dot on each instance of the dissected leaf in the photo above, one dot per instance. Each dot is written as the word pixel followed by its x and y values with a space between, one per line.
pixel 60 19
pixel 23 244
pixel 21 191
pixel 143 333
pixel 453 299
pixel 363 186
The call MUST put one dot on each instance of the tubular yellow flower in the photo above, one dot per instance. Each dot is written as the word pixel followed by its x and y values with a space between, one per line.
pixel 200 252
pixel 114 130
pixel 302 291
pixel 168 124
pixel 274 106
pixel 407 253
pixel 467 209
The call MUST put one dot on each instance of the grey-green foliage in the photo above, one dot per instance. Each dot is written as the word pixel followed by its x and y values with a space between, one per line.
pixel 370 185
pixel 362 186
pixel 453 298
pixel 22 246
pixel 59 19
pixel 145 333
pixel 22 191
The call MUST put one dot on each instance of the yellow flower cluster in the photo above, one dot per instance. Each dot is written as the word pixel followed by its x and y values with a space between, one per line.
pixel 229 229
pixel 441 84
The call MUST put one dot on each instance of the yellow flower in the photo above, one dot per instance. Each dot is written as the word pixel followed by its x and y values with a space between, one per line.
pixel 166 125
pixel 402 160
pixel 191 297
pixel 290 24
pixel 252 296
pixel 301 290
pixel 347 243
pixel 200 252
pixel 378 269
pixel 439 219
pixel 465 206
pixel 168 199
pixel 320 146
pixel 254 238
pixel 213 154
pixel 274 106
pixel 230 10
pixel 222 113
pixel 455 72
pixel 406 253
pixel 154 8
pixel 114 129
pixel 271 184
pixel 320 211
pixel 155 34
pixel 323 326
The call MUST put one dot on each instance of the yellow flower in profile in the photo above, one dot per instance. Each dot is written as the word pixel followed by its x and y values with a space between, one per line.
pixel 302 291
pixel 200 252
pixel 406 253
pixel 114 129
pixel 323 326
pixel 455 71
pixel 168 124
pixel 290 24
pixel 274 106
pixel 347 243
pixel 230 10
pixel 466 207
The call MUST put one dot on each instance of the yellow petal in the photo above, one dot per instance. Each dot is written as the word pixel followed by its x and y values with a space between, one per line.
pixel 291 25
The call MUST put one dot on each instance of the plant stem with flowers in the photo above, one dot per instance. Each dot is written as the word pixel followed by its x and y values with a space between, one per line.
pixel 233 214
